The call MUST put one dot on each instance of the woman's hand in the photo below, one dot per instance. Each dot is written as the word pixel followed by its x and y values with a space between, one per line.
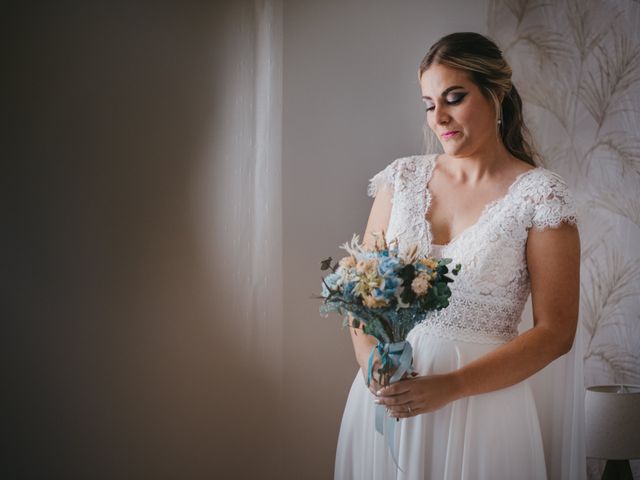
pixel 419 394
pixel 374 385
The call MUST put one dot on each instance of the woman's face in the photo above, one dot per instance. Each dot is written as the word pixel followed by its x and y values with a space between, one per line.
pixel 455 104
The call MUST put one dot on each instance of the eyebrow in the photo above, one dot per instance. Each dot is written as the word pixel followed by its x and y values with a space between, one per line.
pixel 446 91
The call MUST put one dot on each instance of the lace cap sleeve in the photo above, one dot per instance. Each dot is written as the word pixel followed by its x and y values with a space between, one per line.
pixel 553 202
pixel 384 178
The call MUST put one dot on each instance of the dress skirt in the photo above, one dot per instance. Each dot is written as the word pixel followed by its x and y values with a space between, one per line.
pixel 491 436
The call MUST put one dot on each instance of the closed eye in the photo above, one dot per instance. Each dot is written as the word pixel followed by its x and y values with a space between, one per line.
pixel 456 100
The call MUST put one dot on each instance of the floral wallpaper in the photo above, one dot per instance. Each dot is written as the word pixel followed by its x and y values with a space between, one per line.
pixel 576 64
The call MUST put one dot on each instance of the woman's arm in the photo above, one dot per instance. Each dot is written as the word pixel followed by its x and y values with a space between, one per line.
pixel 553 260
pixel 378 221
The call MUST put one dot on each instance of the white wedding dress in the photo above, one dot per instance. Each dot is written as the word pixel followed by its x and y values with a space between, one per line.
pixel 512 433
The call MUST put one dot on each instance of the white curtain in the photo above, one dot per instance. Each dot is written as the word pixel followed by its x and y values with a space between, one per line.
pixel 238 208
pixel 577 66
pixel 238 184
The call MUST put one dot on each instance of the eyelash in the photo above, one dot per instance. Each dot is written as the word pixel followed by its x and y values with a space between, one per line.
pixel 454 102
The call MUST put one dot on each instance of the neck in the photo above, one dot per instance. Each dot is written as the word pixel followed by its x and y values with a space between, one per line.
pixel 482 162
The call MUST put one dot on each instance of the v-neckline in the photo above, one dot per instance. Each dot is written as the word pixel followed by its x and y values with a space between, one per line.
pixel 488 206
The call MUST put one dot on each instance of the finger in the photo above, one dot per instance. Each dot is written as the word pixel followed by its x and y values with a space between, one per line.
pixel 406 413
pixel 374 386
pixel 392 401
pixel 394 389
pixel 399 401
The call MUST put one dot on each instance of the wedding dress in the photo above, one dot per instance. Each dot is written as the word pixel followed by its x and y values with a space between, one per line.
pixel 531 430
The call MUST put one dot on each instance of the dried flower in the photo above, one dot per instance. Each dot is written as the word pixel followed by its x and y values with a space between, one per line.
pixel 348 262
pixel 421 283
pixel 366 267
pixel 429 262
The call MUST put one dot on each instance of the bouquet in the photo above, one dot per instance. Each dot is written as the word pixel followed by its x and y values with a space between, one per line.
pixel 386 295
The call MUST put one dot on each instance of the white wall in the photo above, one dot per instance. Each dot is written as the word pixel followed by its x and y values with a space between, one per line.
pixel 351 105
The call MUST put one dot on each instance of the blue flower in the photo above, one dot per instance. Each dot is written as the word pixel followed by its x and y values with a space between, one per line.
pixel 421 267
pixel 333 280
pixel 348 290
pixel 387 266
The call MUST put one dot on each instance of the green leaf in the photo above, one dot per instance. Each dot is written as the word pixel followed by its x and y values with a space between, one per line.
pixel 326 264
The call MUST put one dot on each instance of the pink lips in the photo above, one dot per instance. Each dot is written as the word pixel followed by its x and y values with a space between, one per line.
pixel 449 134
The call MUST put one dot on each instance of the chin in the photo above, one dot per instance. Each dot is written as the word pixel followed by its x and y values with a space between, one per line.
pixel 451 149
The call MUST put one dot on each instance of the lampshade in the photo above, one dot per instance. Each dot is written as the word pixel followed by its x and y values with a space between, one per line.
pixel 612 414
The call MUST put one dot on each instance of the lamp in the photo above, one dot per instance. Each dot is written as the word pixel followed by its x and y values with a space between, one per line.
pixel 612 414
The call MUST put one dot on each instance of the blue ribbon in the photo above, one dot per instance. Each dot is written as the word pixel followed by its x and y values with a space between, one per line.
pixel 397 355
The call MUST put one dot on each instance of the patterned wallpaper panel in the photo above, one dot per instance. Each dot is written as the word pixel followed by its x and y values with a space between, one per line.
pixel 576 64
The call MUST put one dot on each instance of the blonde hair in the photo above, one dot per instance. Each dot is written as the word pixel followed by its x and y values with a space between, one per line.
pixel 481 58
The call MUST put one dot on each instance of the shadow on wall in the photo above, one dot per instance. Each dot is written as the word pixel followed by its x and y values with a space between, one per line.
pixel 125 359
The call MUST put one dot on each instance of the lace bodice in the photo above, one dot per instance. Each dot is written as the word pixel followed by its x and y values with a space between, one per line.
pixel 493 285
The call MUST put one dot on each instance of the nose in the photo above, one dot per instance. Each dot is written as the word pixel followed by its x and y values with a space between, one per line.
pixel 441 115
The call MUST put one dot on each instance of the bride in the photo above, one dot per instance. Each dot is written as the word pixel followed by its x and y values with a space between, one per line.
pixel 470 412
